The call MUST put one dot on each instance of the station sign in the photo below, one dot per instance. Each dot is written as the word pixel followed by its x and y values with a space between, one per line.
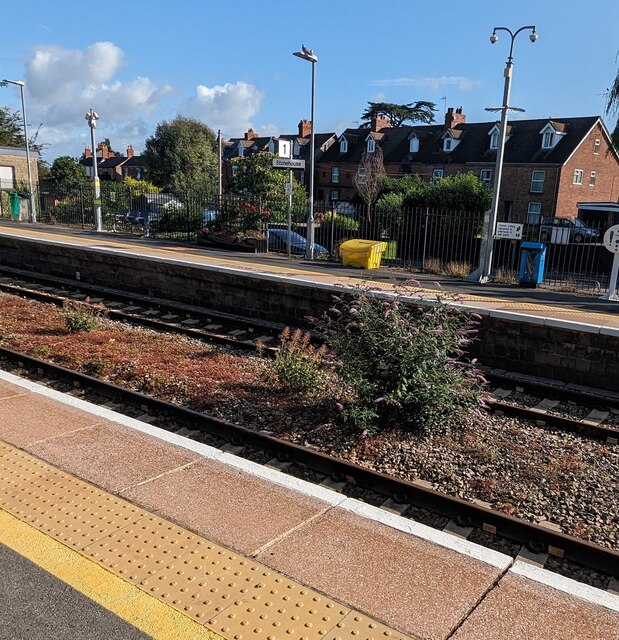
pixel 510 230
pixel 288 163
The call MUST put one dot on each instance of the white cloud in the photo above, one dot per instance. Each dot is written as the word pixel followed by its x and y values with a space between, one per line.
pixel 432 83
pixel 229 107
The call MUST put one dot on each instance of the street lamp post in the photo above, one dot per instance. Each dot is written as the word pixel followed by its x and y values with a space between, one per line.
pixel 92 117
pixel 33 209
pixel 484 270
pixel 310 56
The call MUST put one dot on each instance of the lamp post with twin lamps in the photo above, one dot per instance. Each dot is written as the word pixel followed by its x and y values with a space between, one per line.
pixel 310 56
pixel 33 209
pixel 92 117
pixel 484 270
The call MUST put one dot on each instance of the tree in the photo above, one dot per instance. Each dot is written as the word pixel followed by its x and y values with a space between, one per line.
pixel 11 128
pixel 369 176
pixel 420 111
pixel 256 177
pixel 182 155
pixel 67 175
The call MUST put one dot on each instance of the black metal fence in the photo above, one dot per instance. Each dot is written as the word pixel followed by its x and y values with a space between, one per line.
pixel 421 239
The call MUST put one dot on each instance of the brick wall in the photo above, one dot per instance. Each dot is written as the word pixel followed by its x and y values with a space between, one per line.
pixel 572 356
pixel 18 162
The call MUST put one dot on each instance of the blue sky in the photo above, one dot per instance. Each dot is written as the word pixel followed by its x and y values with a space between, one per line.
pixel 230 64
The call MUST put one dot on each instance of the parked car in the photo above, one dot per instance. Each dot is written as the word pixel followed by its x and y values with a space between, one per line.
pixel 131 216
pixel 279 238
pixel 563 230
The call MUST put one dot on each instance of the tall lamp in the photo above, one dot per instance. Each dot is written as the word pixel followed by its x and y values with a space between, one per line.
pixel 484 270
pixel 33 209
pixel 310 56
pixel 92 117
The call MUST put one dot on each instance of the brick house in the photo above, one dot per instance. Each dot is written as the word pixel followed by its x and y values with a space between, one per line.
pixel 549 164
pixel 113 166
pixel 251 143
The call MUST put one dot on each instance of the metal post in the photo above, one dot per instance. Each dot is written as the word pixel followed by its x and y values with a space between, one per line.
pixel 33 209
pixel 290 213
pixel 484 271
pixel 92 117
pixel 219 185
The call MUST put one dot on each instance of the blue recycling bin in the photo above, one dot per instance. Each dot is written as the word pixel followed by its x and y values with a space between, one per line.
pixel 532 260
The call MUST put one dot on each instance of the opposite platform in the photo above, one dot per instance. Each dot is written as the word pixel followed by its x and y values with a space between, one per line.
pixel 247 551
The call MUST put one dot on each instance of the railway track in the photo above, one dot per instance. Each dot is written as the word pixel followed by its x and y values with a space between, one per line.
pixel 453 514
pixel 590 412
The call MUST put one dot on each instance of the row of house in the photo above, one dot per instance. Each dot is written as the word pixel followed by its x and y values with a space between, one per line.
pixel 112 165
pixel 550 165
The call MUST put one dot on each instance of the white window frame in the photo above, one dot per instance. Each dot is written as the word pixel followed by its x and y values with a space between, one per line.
pixel 592 178
pixel 547 140
pixel 343 145
pixel 335 195
pixel 361 175
pixel 235 169
pixel 494 140
pixel 335 175
pixel 447 144
pixel 7 177
pixel 534 213
pixel 596 146
pixel 413 145
pixel 371 145
pixel 437 175
pixel 579 174
pixel 539 183
pixel 485 175
pixel 296 148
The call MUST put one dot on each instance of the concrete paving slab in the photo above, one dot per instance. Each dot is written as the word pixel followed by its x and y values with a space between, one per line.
pixel 226 505
pixel 519 608
pixel 420 588
pixel 23 423
pixel 8 390
pixel 111 456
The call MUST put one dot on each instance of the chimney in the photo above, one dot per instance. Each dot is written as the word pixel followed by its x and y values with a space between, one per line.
pixel 251 135
pixel 130 151
pixel 87 153
pixel 454 117
pixel 105 152
pixel 305 128
pixel 379 122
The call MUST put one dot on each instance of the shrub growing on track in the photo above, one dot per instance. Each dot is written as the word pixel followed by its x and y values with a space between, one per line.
pixel 403 361
pixel 298 365
pixel 80 316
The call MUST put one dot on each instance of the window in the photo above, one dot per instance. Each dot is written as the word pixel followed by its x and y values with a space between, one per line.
pixel 437 175
pixel 413 145
pixel 537 181
pixel 335 175
pixel 534 212
pixel 371 145
pixel 578 175
pixel 361 175
pixel 447 144
pixel 234 169
pixel 485 175
pixel 7 179
pixel 271 146
pixel 343 146
pixel 335 195
pixel 547 140
pixel 296 149
pixel 592 177
pixel 494 140
pixel 596 146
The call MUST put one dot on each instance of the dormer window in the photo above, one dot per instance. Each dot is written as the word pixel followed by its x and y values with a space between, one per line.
pixel 296 148
pixel 271 146
pixel 413 145
pixel 240 150
pixel 343 145
pixel 371 145
pixel 447 144
pixel 494 140
pixel 552 134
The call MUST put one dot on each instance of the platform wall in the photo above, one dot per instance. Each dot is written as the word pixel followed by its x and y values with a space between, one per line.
pixel 574 356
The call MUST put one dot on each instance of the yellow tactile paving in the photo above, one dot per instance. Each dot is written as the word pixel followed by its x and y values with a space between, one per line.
pixel 226 593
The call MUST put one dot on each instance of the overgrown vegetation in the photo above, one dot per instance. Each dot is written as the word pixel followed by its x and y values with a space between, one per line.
pixel 403 362
pixel 298 365
pixel 81 316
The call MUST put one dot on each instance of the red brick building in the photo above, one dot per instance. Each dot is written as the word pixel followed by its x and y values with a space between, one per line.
pixel 549 164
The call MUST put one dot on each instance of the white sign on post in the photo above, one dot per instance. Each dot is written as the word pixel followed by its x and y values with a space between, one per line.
pixel 611 242
pixel 510 230
pixel 288 163
pixel 288 189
